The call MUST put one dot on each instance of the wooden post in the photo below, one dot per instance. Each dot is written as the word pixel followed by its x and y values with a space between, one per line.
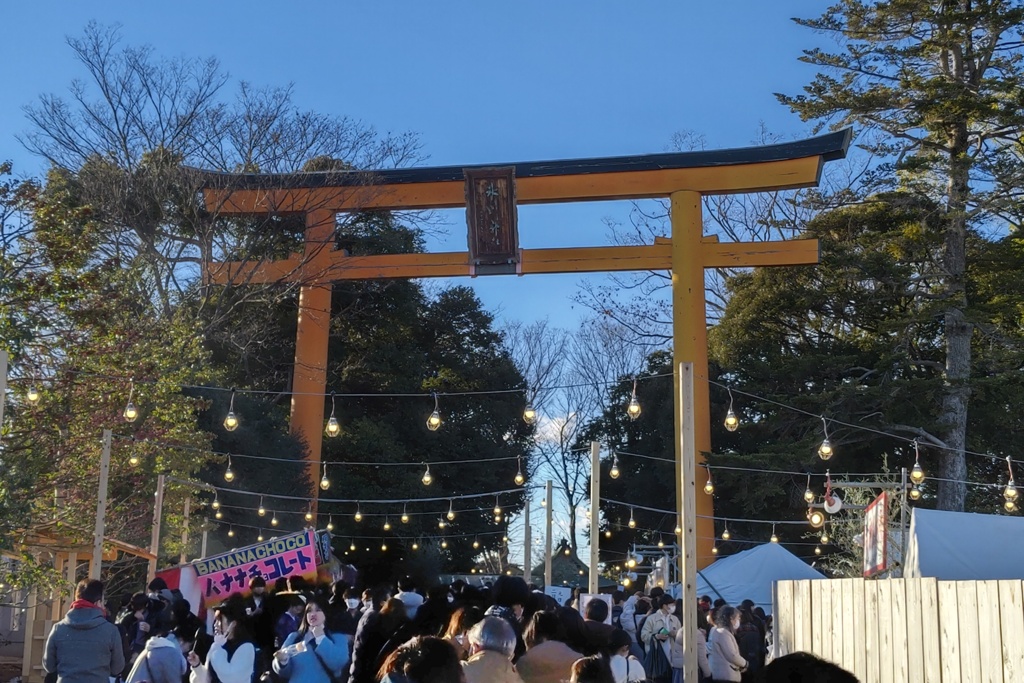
pixel 690 345
pixel 101 509
pixel 528 534
pixel 687 486
pixel 158 513
pixel 3 385
pixel 183 557
pixel 547 539
pixel 311 340
pixel 903 519
pixel 202 543
pixel 595 499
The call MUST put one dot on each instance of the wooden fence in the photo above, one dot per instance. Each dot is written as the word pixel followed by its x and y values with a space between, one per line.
pixel 915 630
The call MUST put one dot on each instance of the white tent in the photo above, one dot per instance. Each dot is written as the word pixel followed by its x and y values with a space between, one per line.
pixel 749 575
pixel 964 546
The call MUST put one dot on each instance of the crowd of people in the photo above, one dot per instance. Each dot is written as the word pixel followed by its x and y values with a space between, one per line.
pixel 505 633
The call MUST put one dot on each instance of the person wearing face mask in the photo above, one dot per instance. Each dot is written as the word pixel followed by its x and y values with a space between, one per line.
pixel 322 656
pixel 658 632
pixel 724 657
pixel 232 657
pixel 259 617
pixel 344 618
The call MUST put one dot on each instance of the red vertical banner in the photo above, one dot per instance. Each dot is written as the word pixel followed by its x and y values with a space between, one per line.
pixel 876 532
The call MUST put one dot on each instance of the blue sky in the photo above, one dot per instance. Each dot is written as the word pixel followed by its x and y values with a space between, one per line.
pixel 480 82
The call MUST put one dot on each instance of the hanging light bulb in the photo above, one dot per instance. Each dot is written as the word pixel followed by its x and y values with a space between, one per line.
pixel 543 502
pixel 808 494
pixel 661 543
pixel 216 502
pixel 497 507
pixel 476 543
pixel 415 545
pixel 632 522
pixel 679 529
pixel 519 478
pixel 309 513
pixel 229 474
pixel 330 522
pixel 273 519
pixel 614 471
pixel 441 524
pixel 32 396
pixel 383 547
pixel 1010 493
pixel 709 486
pixel 567 551
pixel 333 428
pixel 825 449
pixel 325 483
pixel 434 421
pixel 725 533
pixel 444 543
pixel 231 531
pixel 427 476
pixel 405 514
pixel 130 413
pixel 259 538
pixel 231 420
pixel 529 413
pixel 774 538
pixel 816 518
pixel 387 524
pixel 352 546
pixel 504 539
pixel 133 457
pixel 607 533
pixel 917 474
pixel 732 422
pixel 218 515
pixel 451 511
pixel 824 537
pixel 714 549
pixel 915 493
pixel 359 515
pixel 817 550
pixel 633 410
pixel 262 511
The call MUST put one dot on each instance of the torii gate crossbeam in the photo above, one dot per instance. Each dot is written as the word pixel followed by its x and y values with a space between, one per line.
pixel 682 177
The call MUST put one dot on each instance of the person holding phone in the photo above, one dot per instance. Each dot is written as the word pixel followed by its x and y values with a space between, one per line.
pixel 232 657
pixel 312 654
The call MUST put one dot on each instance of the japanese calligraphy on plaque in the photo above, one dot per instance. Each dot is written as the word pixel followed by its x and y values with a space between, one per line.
pixel 491 215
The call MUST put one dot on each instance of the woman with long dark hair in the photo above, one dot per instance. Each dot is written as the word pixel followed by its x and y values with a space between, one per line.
pixel 232 656
pixel 312 654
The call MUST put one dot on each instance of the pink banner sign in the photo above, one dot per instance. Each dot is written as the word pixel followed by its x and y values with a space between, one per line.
pixel 285 557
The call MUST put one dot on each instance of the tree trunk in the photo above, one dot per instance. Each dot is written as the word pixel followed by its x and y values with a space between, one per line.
pixel 572 528
pixel 958 330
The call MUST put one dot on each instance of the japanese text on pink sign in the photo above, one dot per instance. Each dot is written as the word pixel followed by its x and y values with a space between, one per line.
pixel 285 557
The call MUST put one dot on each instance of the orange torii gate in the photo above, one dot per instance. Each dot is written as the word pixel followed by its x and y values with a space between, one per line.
pixel 491 194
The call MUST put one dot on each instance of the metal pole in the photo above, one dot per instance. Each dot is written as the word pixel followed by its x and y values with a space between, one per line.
pixel 101 509
pixel 547 539
pixel 202 545
pixel 3 385
pixel 595 499
pixel 528 533
pixel 688 507
pixel 158 512
pixel 903 519
pixel 183 557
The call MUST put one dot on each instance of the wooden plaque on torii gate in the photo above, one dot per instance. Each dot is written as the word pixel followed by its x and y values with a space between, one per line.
pixel 682 177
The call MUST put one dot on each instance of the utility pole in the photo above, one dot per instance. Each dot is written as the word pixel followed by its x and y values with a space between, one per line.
pixel 158 513
pixel 547 539
pixel 183 557
pixel 101 509
pixel 595 499
pixel 528 533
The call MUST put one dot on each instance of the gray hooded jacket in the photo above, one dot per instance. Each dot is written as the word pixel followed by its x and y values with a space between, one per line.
pixel 84 647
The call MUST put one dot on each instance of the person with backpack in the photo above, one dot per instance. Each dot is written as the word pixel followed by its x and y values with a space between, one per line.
pixel 322 655
pixel 233 656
